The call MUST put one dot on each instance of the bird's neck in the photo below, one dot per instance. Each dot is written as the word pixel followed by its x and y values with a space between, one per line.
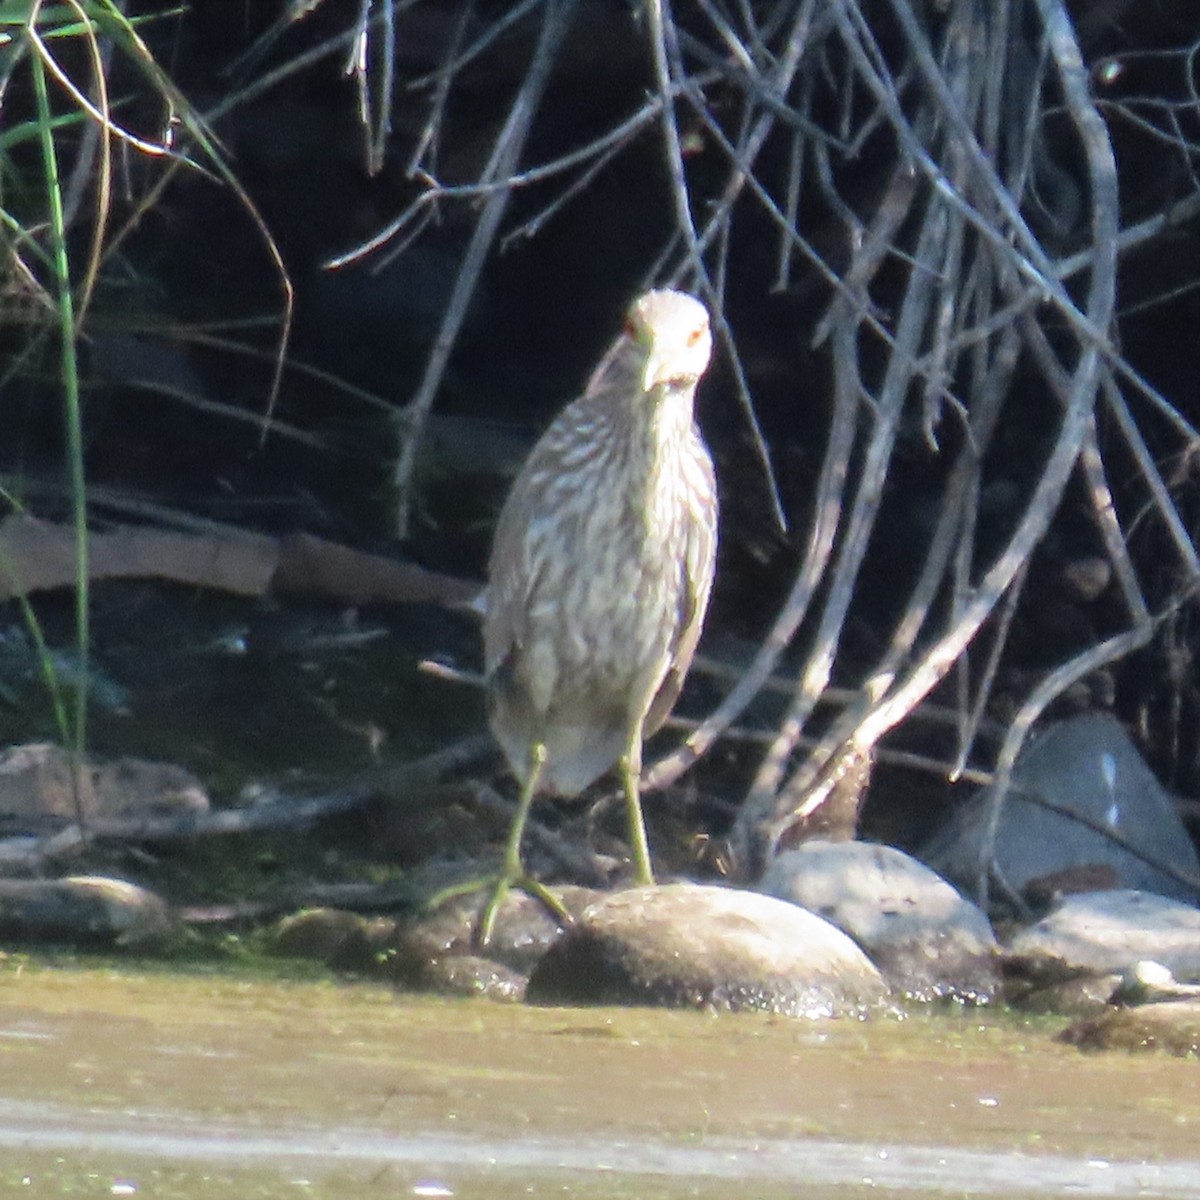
pixel 651 425
pixel 668 414
pixel 657 441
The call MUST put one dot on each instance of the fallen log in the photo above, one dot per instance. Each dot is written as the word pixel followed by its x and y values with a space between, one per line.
pixel 37 555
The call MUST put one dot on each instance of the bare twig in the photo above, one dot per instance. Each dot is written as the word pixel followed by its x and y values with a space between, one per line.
pixel 506 154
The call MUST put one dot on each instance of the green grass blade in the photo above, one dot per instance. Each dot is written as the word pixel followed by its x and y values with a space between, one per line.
pixel 73 415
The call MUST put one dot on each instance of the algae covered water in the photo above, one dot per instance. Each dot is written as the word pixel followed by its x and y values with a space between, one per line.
pixel 120 1082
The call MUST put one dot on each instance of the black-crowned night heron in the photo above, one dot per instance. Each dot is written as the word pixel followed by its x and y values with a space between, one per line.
pixel 600 575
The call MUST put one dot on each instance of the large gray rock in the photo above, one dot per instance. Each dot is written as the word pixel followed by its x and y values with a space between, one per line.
pixel 1106 933
pixel 689 946
pixel 929 942
pixel 1084 809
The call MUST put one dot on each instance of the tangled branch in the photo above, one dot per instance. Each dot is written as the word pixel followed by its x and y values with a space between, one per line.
pixel 958 161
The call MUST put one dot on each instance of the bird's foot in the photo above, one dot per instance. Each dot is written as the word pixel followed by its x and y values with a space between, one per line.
pixel 500 886
pixel 523 883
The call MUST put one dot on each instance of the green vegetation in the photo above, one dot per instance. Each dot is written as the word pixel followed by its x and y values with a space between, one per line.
pixel 57 234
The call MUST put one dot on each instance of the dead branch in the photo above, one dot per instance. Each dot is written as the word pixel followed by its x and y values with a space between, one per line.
pixel 39 555
pixel 957 163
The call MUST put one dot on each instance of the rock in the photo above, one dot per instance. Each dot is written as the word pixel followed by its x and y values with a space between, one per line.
pixel 523 932
pixel 376 946
pixel 345 941
pixel 1171 1026
pixel 1062 997
pixel 1085 768
pixel 929 942
pixel 689 946
pixel 433 950
pixel 131 787
pixel 85 911
pixel 35 783
pixel 1081 950
pixel 469 975
pixel 126 360
pixel 1108 932
pixel 1149 982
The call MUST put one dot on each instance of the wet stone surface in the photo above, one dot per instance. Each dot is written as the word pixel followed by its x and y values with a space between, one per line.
pixel 1074 957
pixel 690 946
pixel 84 910
pixel 1171 1026
pixel 929 942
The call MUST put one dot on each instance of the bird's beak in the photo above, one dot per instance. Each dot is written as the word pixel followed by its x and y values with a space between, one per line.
pixel 657 372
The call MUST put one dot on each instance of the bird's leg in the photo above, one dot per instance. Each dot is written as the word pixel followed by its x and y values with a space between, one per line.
pixel 512 867
pixel 631 774
pixel 512 870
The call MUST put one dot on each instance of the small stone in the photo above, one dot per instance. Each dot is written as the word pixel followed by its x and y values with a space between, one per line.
pixel 469 975
pixel 346 941
pixel 85 911
pixel 35 782
pixel 1172 1027
pixel 135 787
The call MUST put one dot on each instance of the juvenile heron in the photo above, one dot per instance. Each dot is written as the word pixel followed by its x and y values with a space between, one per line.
pixel 600 574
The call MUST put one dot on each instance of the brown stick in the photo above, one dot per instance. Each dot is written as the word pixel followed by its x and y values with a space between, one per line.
pixel 38 555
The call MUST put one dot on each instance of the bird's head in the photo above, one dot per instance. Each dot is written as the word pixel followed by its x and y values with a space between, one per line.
pixel 672 331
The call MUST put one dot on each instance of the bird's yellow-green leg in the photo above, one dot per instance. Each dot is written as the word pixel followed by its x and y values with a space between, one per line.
pixel 631 771
pixel 512 871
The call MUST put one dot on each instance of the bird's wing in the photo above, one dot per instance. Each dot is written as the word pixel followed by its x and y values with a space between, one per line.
pixel 507 591
pixel 698 566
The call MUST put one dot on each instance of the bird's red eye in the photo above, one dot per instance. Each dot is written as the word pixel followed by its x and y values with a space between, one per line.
pixel 695 336
pixel 630 327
